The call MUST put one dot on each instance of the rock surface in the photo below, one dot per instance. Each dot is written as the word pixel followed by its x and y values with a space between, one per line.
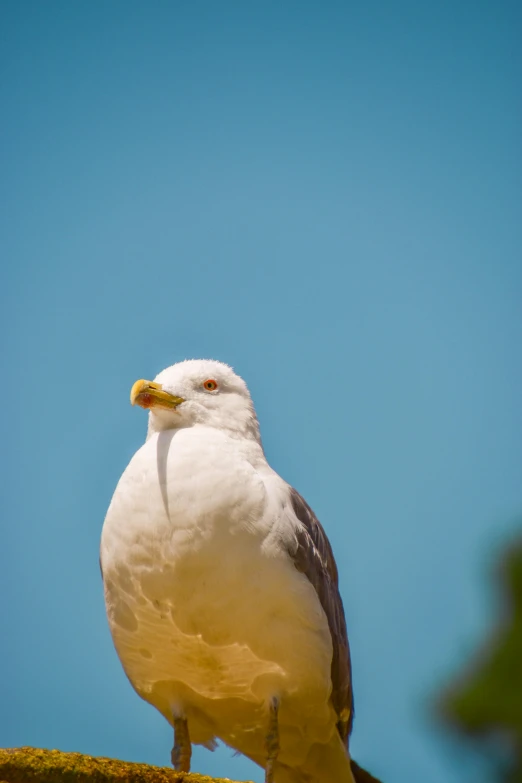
pixel 33 765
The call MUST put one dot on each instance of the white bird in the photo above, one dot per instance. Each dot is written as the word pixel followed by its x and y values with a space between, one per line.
pixel 221 587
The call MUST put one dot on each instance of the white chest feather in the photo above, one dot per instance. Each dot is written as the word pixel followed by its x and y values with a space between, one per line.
pixel 203 605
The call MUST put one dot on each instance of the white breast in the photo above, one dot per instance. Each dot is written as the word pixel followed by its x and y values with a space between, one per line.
pixel 204 613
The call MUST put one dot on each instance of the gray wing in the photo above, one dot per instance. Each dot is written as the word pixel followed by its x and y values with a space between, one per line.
pixel 314 558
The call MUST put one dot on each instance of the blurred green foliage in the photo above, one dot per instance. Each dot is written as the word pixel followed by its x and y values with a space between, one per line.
pixel 484 703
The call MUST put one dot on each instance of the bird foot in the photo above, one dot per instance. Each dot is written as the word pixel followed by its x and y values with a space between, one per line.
pixel 272 741
pixel 182 750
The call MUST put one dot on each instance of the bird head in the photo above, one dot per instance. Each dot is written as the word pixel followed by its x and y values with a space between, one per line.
pixel 197 392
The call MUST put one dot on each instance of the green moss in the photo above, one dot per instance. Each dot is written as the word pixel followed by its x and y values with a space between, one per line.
pixel 25 765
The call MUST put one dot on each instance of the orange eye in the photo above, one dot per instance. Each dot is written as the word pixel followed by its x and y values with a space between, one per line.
pixel 210 385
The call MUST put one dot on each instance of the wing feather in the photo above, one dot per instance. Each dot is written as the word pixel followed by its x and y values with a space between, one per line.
pixel 314 558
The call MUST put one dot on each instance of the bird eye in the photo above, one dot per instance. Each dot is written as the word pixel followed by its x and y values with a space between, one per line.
pixel 210 385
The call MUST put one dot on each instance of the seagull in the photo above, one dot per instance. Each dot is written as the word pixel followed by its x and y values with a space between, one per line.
pixel 221 587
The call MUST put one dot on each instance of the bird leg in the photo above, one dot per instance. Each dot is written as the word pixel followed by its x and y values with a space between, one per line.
pixel 272 741
pixel 182 750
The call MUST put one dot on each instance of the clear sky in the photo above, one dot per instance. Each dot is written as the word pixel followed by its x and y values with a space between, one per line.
pixel 326 196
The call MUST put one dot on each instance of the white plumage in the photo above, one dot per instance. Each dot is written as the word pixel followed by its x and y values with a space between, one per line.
pixel 209 615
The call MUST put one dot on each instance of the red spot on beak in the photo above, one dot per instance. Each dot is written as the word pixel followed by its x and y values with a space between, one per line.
pixel 145 400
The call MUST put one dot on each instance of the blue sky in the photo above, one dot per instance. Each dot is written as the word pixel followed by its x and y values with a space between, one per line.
pixel 326 196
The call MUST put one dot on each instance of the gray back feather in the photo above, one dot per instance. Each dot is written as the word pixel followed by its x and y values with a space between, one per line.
pixel 314 558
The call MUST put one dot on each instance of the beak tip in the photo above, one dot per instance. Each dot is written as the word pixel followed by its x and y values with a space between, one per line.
pixel 136 389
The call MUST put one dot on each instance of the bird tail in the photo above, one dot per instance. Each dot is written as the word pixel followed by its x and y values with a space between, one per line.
pixel 324 764
pixel 352 773
pixel 360 775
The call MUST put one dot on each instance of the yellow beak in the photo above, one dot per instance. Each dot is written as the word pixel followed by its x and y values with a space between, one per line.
pixel 148 394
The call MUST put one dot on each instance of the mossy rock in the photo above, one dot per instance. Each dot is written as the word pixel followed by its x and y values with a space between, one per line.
pixel 33 765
